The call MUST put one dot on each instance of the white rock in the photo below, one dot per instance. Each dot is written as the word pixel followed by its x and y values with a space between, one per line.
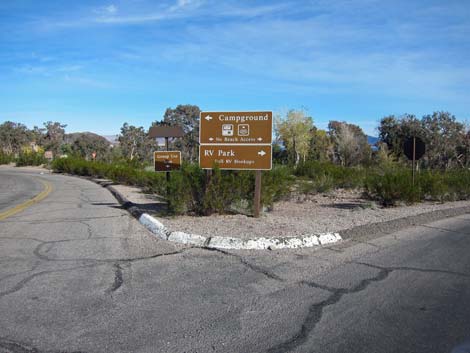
pixel 329 238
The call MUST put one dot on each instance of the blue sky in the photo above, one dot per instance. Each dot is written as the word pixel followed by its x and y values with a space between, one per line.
pixel 97 64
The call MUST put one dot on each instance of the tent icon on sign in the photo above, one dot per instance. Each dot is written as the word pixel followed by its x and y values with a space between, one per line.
pixel 243 130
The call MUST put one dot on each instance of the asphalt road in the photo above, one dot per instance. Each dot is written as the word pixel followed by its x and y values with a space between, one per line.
pixel 16 188
pixel 78 274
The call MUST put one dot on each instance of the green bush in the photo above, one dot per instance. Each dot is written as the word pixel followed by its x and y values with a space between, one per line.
pixel 5 158
pixel 392 185
pixel 326 176
pixel 195 187
pixel 458 183
pixel 189 190
pixel 276 184
pixel 433 186
pixel 177 195
pixel 30 159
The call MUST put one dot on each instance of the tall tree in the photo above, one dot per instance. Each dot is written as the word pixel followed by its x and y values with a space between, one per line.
pixel 321 146
pixel 295 131
pixel 134 142
pixel 187 117
pixel 350 143
pixel 13 136
pixel 444 136
pixel 54 136
pixel 83 144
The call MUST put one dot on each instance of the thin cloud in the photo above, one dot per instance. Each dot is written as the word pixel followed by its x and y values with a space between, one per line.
pixel 86 81
pixel 181 8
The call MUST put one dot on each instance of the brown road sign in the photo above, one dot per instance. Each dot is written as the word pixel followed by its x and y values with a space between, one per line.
pixel 236 128
pixel 166 131
pixel 166 161
pixel 252 157
pixel 48 155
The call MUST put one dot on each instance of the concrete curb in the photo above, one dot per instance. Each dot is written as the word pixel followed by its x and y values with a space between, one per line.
pixel 217 242
pixel 305 241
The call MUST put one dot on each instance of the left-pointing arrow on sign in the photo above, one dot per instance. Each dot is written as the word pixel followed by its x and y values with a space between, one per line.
pixel 208 118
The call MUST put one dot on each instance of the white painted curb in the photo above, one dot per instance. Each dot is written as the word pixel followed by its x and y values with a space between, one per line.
pixel 154 226
pixel 185 238
pixel 306 241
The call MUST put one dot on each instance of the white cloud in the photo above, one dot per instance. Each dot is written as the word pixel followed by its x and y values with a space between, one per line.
pixel 41 70
pixel 108 10
pixel 85 81
pixel 111 9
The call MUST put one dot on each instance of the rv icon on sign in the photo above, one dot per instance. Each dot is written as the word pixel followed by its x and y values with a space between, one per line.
pixel 227 130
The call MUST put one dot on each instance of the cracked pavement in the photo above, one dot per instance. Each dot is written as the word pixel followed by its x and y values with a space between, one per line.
pixel 79 274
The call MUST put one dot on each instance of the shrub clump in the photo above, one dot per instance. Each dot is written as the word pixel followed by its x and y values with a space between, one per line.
pixel 325 176
pixel 5 158
pixel 30 159
pixel 392 185
pixel 189 190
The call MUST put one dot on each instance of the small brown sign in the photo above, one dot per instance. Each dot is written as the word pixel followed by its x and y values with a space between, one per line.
pixel 166 161
pixel 166 131
pixel 251 157
pixel 236 128
pixel 48 155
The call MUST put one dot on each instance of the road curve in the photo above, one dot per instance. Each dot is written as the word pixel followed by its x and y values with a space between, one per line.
pixel 78 274
pixel 17 188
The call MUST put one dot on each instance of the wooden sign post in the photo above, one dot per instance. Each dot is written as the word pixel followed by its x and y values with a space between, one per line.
pixel 166 132
pixel 414 148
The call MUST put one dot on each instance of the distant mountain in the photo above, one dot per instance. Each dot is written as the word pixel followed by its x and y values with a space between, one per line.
pixel 90 137
pixel 113 139
pixel 371 140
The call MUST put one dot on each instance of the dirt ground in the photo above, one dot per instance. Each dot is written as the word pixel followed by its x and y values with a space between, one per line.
pixel 300 215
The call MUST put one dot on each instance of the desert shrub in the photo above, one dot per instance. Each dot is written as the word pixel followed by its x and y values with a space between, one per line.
pixel 30 159
pixel 326 176
pixel 177 194
pixel 433 186
pixel 458 182
pixel 5 158
pixel 276 184
pixel 189 190
pixel 195 179
pixel 219 192
pixel 392 185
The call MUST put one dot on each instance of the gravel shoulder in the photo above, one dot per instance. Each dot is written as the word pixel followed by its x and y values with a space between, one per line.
pixel 301 215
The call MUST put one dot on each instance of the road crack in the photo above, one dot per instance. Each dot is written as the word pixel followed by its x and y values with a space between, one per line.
pixel 315 311
pixel 18 347
pixel 255 268
pixel 18 286
pixel 416 269
pixel 118 280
